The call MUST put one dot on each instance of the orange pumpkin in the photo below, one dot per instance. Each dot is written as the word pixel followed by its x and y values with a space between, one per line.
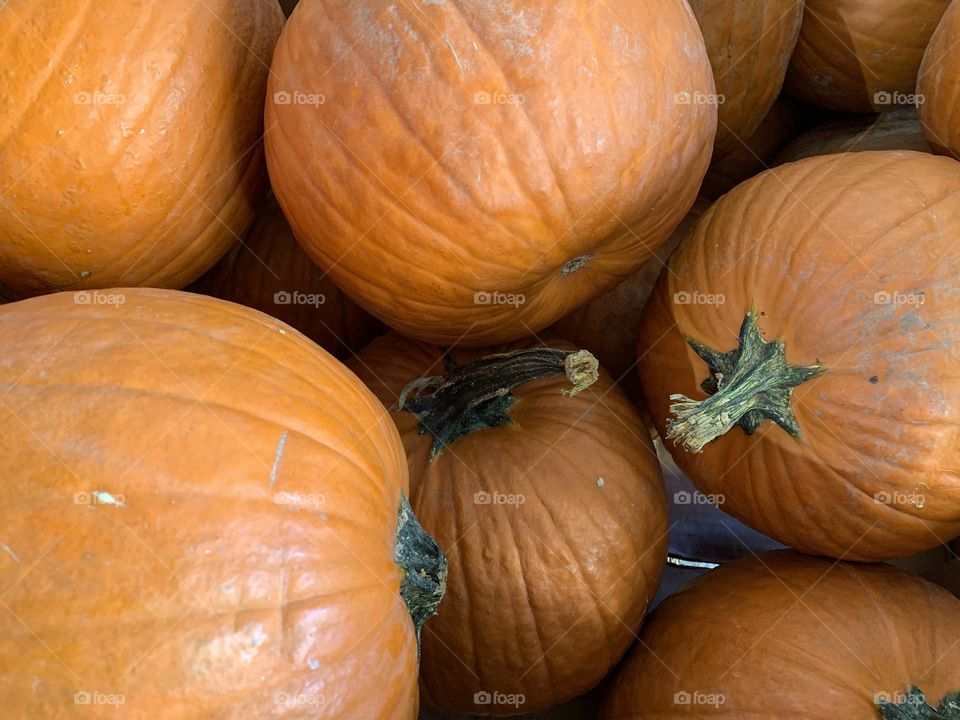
pixel 897 129
pixel 550 508
pixel 269 272
pixel 202 515
pixel 447 163
pixel 938 86
pixel 861 55
pixel 130 152
pixel 785 636
pixel 749 45
pixel 800 353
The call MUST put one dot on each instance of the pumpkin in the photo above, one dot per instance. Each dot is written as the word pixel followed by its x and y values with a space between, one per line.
pixel 607 326
pixel 550 508
pixel 786 636
pixel 861 55
pixel 799 353
pixel 269 272
pixel 897 129
pixel 448 166
pixel 755 153
pixel 203 516
pixel 749 45
pixel 938 86
pixel 130 153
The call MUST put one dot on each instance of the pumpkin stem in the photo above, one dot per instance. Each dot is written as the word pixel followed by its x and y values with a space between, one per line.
pixel 477 395
pixel 747 385
pixel 913 706
pixel 423 566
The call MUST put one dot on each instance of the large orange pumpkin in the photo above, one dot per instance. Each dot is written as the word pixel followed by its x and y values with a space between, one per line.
pixel 939 85
pixel 130 145
pixel 550 508
pixel 897 129
pixel 861 55
pixel 786 636
pixel 749 45
pixel 801 352
pixel 269 271
pixel 470 172
pixel 202 516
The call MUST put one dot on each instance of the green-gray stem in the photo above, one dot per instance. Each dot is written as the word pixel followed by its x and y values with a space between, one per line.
pixel 477 395
pixel 913 706
pixel 423 566
pixel 747 385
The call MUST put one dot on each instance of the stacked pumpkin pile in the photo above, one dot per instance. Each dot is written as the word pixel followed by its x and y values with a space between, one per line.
pixel 394 443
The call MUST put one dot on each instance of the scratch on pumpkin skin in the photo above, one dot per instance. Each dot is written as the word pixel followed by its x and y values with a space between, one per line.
pixel 9 551
pixel 275 470
pixel 456 57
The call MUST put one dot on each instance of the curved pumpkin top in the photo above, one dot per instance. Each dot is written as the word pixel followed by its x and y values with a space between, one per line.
pixel 130 142
pixel 897 129
pixel 861 55
pixel 437 158
pixel 787 636
pixel 555 525
pixel 749 45
pixel 849 261
pixel 199 513
pixel 939 86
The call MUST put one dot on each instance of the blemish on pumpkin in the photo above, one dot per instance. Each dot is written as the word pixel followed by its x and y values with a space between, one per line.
pixel 9 551
pixel 105 498
pixel 446 41
pixel 573 265
pixel 600 482
pixel 278 456
pixel 874 379
pixel 313 664
pixel 281 331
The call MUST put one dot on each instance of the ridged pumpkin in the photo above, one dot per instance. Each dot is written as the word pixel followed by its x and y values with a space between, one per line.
pixel 200 516
pixel 787 636
pixel 861 55
pixel 269 272
pixel 551 510
pixel 130 146
pixel 897 129
pixel 819 330
pixel 749 45
pixel 939 85
pixel 471 172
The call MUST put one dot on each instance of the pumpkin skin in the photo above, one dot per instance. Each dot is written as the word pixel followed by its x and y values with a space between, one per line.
pixel 566 574
pixel 749 45
pixel 850 50
pixel 532 194
pixel 130 160
pixel 939 85
pixel 870 476
pixel 269 265
pixel 897 129
pixel 205 594
pixel 787 636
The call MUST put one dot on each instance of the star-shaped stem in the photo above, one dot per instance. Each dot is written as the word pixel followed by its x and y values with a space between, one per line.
pixel 747 385
pixel 913 706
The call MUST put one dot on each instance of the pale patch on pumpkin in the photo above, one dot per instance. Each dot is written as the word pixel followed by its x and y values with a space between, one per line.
pixel 9 551
pixel 105 498
pixel 225 651
pixel 278 456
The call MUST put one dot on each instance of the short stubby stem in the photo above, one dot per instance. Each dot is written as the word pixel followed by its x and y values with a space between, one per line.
pixel 423 566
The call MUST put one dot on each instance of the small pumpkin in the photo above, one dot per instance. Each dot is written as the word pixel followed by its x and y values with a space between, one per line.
pixel 861 55
pixel 550 508
pixel 749 45
pixel 133 156
pixel 799 353
pixel 897 129
pixel 938 86
pixel 446 162
pixel 781 635
pixel 269 272
pixel 203 516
